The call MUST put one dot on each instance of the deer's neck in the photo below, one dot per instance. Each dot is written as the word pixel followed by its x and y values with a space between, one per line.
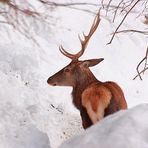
pixel 80 85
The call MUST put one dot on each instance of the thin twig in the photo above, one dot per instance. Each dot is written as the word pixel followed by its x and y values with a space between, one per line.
pixel 145 66
pixel 117 10
pixel 122 22
pixel 146 56
pixel 66 4
pixel 131 1
pixel 140 73
pixel 133 30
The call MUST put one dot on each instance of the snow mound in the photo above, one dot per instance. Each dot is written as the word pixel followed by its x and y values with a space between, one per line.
pixel 125 129
pixel 26 100
pixel 26 137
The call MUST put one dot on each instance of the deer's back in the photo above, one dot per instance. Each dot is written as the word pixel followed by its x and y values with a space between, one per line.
pixel 109 94
pixel 117 101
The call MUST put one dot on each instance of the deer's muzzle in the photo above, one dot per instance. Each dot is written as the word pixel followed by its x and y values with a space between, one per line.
pixel 51 82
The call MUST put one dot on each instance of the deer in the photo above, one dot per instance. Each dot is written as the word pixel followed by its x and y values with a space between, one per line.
pixel 93 98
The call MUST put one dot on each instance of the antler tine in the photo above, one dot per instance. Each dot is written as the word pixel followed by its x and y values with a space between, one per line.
pixel 64 52
pixel 84 42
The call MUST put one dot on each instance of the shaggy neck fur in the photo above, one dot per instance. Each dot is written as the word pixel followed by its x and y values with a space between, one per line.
pixel 82 81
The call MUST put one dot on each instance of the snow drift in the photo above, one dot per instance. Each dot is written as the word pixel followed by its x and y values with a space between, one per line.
pixel 125 129
pixel 30 110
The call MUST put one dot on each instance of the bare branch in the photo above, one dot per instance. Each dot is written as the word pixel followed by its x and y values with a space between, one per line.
pixel 145 66
pixel 67 4
pixel 15 15
pixel 122 22
pixel 117 10
pixel 140 73
pixel 133 30
pixel 127 5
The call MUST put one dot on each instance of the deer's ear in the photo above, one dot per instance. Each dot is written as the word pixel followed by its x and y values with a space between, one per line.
pixel 91 62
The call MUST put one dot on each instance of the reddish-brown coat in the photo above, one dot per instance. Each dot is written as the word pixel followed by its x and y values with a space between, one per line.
pixel 106 95
pixel 94 99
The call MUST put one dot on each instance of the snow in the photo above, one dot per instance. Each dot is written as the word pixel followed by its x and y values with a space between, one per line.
pixel 124 129
pixel 28 109
pixel 34 114
pixel 28 136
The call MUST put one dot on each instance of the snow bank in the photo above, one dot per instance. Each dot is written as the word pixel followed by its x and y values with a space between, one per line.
pixel 25 137
pixel 28 105
pixel 125 129
pixel 27 102
pixel 16 126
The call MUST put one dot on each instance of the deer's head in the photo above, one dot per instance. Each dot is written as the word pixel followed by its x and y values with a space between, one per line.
pixel 76 70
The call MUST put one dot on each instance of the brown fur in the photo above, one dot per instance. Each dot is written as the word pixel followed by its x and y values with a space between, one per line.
pixel 86 121
pixel 118 101
pixel 102 99
pixel 95 94
pixel 93 98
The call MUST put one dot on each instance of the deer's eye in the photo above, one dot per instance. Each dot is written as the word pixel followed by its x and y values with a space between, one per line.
pixel 66 70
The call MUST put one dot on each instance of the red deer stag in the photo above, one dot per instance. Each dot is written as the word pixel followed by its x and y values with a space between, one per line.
pixel 94 99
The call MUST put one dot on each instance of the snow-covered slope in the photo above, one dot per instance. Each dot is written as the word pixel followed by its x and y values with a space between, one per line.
pixel 125 129
pixel 30 109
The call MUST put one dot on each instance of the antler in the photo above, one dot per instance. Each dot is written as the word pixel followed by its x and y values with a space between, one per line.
pixel 84 42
